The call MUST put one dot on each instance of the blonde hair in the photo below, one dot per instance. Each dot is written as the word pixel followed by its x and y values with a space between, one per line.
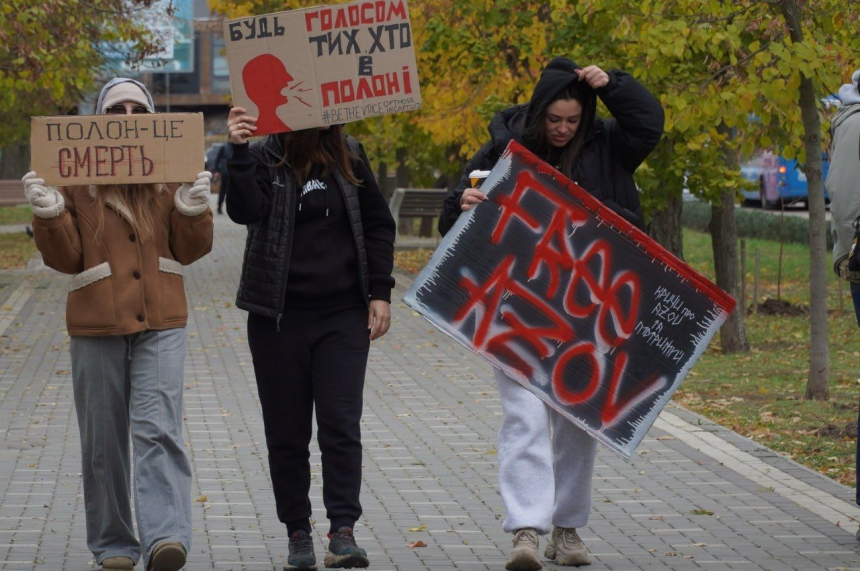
pixel 141 203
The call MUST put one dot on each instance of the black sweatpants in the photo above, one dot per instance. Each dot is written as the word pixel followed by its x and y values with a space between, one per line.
pixel 318 359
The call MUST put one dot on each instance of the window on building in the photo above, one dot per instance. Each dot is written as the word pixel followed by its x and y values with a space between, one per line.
pixel 220 73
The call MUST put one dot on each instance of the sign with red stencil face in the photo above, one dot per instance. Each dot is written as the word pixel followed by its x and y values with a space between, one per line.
pixel 324 65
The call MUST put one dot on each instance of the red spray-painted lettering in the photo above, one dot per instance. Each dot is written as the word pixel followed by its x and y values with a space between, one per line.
pixel 593 293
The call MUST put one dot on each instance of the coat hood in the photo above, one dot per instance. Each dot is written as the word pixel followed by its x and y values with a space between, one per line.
pixel 556 76
pixel 843 113
pixel 849 93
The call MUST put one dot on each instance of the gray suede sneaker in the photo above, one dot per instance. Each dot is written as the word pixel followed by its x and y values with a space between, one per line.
pixel 167 556
pixel 566 548
pixel 118 562
pixel 549 552
pixel 524 556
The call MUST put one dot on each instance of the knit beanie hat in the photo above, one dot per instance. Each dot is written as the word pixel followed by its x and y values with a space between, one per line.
pixel 122 89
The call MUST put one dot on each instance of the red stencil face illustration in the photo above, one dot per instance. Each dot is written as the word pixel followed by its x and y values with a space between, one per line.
pixel 266 79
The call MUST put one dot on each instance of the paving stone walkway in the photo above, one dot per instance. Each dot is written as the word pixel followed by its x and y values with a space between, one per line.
pixel 695 496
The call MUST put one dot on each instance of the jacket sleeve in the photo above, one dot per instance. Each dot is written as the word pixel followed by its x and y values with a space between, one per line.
pixel 190 236
pixel 58 238
pixel 451 205
pixel 379 231
pixel 248 194
pixel 637 123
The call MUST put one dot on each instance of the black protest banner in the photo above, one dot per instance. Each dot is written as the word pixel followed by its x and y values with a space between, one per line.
pixel 564 295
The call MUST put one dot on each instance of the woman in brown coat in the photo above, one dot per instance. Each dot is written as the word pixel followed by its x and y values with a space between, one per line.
pixel 125 247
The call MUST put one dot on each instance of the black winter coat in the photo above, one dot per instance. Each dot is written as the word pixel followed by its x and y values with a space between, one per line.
pixel 613 150
pixel 262 198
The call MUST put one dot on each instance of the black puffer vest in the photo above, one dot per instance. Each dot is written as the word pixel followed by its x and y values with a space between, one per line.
pixel 263 284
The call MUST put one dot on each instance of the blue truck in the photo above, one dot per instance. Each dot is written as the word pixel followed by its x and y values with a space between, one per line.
pixel 779 181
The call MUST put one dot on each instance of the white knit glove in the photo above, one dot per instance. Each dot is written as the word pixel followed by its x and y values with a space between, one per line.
pixel 37 193
pixel 45 201
pixel 198 193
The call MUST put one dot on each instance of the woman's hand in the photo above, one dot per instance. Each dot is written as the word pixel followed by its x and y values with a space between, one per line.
pixel 240 126
pixel 378 318
pixel 594 76
pixel 37 193
pixel 471 197
pixel 196 193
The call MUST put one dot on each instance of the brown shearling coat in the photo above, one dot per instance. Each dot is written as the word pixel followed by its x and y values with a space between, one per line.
pixel 121 285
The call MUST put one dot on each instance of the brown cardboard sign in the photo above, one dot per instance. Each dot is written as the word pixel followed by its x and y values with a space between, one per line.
pixel 117 149
pixel 323 65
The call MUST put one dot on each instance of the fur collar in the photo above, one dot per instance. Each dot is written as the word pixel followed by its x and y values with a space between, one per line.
pixel 114 201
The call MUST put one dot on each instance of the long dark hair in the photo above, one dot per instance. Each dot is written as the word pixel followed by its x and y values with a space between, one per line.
pixel 317 147
pixel 536 132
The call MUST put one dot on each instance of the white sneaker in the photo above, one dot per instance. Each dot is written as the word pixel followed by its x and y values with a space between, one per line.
pixel 524 556
pixel 566 548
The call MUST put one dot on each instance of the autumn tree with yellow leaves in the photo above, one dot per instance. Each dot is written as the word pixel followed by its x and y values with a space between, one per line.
pixel 52 57
pixel 733 76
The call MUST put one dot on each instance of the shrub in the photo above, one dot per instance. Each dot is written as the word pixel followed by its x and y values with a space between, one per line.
pixel 754 224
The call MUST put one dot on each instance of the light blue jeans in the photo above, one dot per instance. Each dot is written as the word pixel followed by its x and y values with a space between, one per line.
pixel 132 384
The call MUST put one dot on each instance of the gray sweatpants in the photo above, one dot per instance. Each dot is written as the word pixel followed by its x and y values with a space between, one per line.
pixel 132 384
pixel 545 463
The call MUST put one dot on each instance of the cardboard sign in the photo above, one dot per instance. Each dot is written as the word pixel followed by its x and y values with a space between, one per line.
pixel 117 149
pixel 568 298
pixel 323 65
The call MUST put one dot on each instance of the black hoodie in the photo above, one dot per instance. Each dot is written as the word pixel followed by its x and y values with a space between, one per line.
pixel 612 150
pixel 264 199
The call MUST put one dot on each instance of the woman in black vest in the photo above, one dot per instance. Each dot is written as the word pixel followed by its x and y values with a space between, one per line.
pixel 316 281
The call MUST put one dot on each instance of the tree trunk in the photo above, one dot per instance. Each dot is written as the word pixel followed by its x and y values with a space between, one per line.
pixel 724 242
pixel 402 170
pixel 382 180
pixel 817 384
pixel 14 161
pixel 455 166
pixel 664 225
pixel 401 179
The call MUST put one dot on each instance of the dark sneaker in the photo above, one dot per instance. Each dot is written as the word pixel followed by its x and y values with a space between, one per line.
pixel 524 555
pixel 301 551
pixel 343 553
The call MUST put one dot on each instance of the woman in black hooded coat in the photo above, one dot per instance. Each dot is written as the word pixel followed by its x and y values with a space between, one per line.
pixel 536 444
